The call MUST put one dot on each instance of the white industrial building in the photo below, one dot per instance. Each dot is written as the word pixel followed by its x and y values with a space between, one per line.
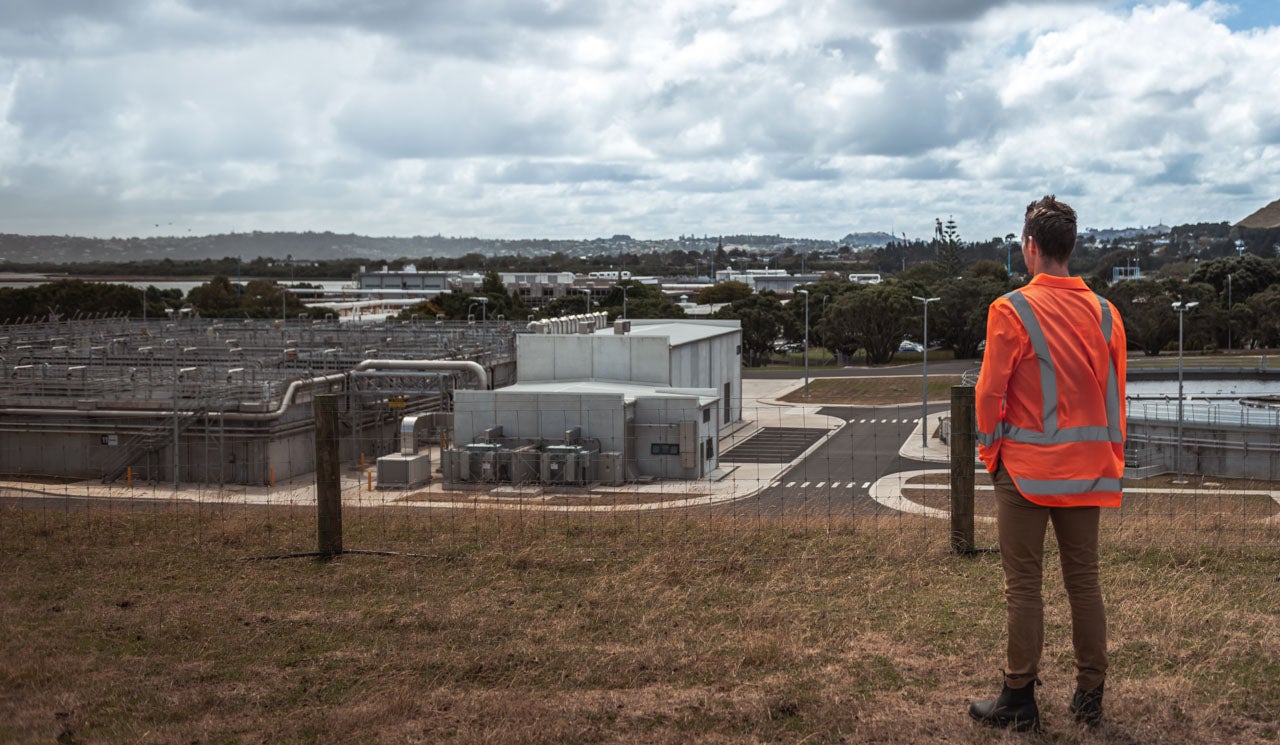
pixel 640 399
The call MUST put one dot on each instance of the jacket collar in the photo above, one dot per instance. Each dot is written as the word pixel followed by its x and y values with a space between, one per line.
pixel 1061 283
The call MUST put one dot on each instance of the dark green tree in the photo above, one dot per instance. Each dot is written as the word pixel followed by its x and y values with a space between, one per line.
pixel 763 319
pixel 951 250
pixel 724 292
pixel 69 298
pixel 1145 305
pixel 988 269
pixel 217 298
pixel 1248 274
pixel 959 319
pixel 874 318
pixel 643 301
pixel 1261 316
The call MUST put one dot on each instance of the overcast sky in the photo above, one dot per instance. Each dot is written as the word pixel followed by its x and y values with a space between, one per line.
pixel 586 118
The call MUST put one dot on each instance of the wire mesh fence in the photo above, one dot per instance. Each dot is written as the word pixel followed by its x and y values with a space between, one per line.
pixel 789 468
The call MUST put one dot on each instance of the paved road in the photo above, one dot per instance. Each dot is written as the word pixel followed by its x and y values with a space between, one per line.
pixel 833 480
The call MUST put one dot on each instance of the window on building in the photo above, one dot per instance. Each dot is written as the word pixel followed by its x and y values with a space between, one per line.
pixel 664 448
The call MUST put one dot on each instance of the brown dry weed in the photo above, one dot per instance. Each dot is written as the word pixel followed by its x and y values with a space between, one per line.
pixel 155 627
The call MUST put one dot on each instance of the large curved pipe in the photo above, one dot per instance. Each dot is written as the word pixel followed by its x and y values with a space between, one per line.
pixel 475 368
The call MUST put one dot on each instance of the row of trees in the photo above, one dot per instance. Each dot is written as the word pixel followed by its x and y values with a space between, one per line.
pixel 642 301
pixel 217 298
pixel 1239 307
pixel 330 256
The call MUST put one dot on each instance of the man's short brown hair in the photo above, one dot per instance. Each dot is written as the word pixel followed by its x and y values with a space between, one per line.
pixel 1053 225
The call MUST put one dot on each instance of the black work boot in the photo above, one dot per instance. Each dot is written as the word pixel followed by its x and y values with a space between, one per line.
pixel 1015 709
pixel 1086 706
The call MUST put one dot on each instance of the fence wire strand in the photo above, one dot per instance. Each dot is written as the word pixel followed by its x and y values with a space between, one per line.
pixel 793 469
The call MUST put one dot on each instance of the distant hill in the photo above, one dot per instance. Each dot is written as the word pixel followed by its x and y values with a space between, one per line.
pixel 1265 218
pixel 1110 234
pixel 299 246
pixel 860 240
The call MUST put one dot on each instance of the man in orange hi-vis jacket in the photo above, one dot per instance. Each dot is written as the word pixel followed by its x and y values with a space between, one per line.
pixel 1051 426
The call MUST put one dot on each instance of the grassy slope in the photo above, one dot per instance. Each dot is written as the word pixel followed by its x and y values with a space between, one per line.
pixel 145 628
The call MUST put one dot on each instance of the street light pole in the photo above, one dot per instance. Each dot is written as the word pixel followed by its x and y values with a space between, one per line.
pixel 924 388
pixel 1228 314
pixel 624 300
pixel 806 341
pixel 177 455
pixel 821 315
pixel 484 309
pixel 1182 308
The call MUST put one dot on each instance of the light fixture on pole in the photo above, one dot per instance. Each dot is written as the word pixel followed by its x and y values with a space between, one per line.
pixel 924 388
pixel 624 299
pixel 484 306
pixel 1182 308
pixel 586 297
pixel 806 341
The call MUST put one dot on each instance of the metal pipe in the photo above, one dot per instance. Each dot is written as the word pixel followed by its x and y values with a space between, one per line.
pixel 474 368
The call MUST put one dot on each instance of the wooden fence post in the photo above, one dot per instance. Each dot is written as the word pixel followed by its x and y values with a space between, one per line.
pixel 328 477
pixel 963 427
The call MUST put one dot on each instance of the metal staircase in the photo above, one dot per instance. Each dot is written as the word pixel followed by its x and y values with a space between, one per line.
pixel 152 439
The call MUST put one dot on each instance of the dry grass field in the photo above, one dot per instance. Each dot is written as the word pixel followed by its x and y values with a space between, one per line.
pixel 161 626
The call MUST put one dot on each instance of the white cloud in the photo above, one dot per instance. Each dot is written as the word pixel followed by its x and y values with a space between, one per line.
pixel 584 118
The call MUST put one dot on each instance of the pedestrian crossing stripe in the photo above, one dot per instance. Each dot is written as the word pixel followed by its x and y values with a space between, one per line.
pixel 805 485
pixel 790 484
pixel 819 485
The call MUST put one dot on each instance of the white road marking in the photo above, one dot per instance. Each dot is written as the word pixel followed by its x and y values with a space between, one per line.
pixel 805 485
pixel 790 484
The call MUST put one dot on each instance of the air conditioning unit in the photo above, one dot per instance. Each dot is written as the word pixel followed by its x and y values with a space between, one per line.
pixel 487 463
pixel 565 464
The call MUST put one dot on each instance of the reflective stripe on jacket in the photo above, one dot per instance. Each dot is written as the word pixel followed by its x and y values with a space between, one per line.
pixel 1050 397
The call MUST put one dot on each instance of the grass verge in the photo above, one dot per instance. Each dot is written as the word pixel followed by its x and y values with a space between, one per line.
pixel 154 628
pixel 873 391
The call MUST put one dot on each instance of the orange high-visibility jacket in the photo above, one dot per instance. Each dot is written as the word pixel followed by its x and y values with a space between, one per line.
pixel 1050 397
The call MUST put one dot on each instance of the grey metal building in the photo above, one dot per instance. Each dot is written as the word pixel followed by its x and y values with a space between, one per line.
pixel 641 399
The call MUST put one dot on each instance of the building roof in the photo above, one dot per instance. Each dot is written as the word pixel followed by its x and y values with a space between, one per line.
pixel 629 391
pixel 680 332
pixel 1267 217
